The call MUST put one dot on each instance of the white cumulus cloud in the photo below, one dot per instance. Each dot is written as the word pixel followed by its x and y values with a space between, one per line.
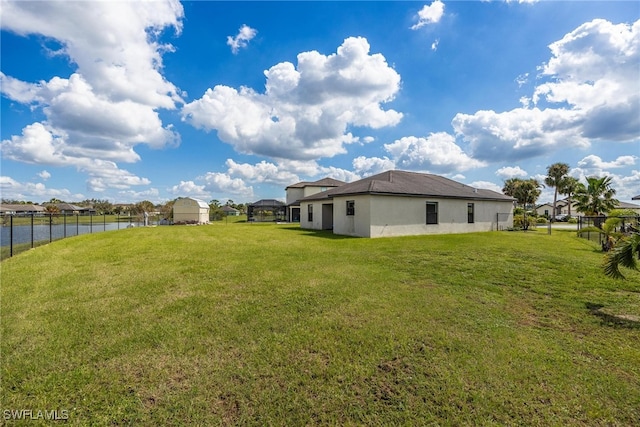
pixel 429 14
pixel 591 94
pixel 305 112
pixel 189 189
pixel 594 161
pixel 242 39
pixel 372 165
pixel 436 153
pixel 109 104
pixel 511 172
pixel 33 191
pixel 222 183
pixel 486 185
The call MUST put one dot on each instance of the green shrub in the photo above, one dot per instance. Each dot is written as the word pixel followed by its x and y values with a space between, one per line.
pixel 519 221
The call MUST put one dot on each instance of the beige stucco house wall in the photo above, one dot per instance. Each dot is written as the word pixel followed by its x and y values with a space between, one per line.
pixel 388 214
pixel 300 190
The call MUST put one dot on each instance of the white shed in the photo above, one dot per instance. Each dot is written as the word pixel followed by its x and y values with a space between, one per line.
pixel 187 210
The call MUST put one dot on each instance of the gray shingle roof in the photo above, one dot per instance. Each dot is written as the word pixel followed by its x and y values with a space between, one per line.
pixel 4 207
pixel 267 202
pixel 410 184
pixel 625 205
pixel 324 182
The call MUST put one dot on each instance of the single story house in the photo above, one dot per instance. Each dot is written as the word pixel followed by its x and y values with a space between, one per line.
pixel 629 206
pixel 230 211
pixel 188 210
pixel 398 203
pixel 21 209
pixel 562 208
pixel 71 209
pixel 304 189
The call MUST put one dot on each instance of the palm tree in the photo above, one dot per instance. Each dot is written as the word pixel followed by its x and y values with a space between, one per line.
pixel 51 209
pixel 597 197
pixel 608 232
pixel 556 173
pixel 525 191
pixel 623 254
pixel 568 187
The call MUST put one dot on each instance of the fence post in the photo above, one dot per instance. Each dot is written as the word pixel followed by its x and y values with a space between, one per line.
pixel 104 222
pixel 64 227
pixel 51 227
pixel 90 223
pixel 32 230
pixel 11 236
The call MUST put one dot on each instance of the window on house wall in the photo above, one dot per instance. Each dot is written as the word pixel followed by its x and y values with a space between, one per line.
pixel 470 211
pixel 351 207
pixel 432 212
pixel 310 213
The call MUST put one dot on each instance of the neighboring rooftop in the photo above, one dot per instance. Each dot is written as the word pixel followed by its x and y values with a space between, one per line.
pixel 20 208
pixel 324 182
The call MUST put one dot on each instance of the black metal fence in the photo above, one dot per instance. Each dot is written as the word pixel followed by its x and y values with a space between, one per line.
pixel 587 226
pixel 20 232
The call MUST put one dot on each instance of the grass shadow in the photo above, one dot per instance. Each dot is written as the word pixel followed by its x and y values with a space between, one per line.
pixel 616 320
pixel 325 234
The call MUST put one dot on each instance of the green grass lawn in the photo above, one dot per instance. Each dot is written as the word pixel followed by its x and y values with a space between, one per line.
pixel 265 324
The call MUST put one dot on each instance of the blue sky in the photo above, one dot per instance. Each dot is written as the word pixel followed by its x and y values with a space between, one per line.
pixel 236 100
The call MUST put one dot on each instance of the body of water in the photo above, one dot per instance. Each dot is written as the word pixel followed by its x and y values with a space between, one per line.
pixel 42 232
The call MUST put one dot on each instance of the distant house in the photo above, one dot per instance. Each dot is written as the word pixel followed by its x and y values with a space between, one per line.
pixel 71 209
pixel 397 203
pixel 629 206
pixel 187 210
pixel 296 192
pixel 562 208
pixel 230 211
pixel 21 209
pixel 266 210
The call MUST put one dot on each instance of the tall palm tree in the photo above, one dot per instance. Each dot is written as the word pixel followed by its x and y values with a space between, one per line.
pixel 597 197
pixel 525 191
pixel 568 187
pixel 623 254
pixel 556 173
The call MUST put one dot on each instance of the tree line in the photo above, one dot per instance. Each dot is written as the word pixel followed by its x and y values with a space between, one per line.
pixel 105 207
pixel 593 199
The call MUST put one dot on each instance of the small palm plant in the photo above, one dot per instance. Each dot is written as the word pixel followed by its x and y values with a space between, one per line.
pixel 625 252
pixel 607 230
